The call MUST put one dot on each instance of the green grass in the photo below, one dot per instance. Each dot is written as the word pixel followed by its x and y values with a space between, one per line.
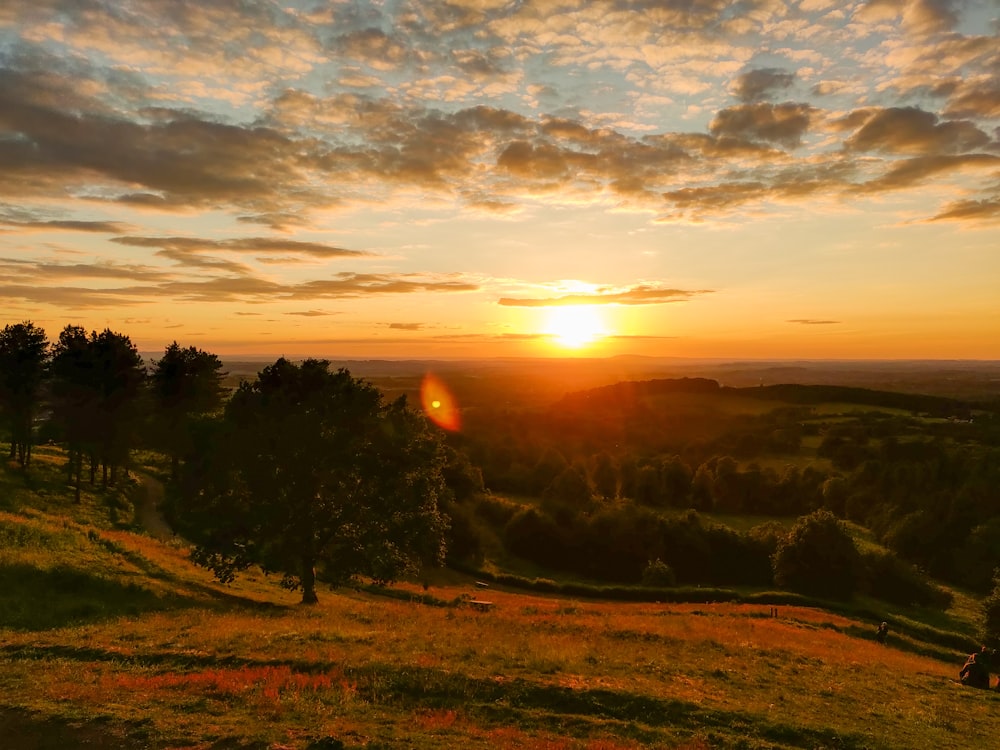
pixel 112 639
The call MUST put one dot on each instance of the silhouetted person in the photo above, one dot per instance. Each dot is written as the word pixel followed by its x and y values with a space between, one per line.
pixel 882 633
pixel 976 672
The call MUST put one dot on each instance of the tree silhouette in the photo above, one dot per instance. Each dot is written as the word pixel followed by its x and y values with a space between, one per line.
pixel 309 468
pixel 818 557
pixel 186 383
pixel 24 358
pixel 96 386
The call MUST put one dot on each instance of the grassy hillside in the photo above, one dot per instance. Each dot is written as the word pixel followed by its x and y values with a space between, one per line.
pixel 110 638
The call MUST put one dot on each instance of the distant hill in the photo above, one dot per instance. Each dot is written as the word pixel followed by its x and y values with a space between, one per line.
pixel 938 406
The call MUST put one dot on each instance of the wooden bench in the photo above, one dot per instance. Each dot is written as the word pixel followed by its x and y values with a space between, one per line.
pixel 479 604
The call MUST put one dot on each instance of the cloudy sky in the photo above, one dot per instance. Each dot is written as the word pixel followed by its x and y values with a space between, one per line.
pixel 810 179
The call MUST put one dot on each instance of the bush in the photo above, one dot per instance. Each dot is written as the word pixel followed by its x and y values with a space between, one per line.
pixel 890 579
pixel 818 557
pixel 658 574
pixel 534 536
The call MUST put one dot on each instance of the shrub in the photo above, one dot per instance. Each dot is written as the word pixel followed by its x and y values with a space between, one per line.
pixel 818 557
pixel 534 536
pixel 892 580
pixel 658 574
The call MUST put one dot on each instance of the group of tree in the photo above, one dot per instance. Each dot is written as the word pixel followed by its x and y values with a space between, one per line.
pixel 929 489
pixel 98 398
pixel 304 471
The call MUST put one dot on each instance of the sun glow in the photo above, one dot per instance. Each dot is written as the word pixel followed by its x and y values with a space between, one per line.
pixel 575 326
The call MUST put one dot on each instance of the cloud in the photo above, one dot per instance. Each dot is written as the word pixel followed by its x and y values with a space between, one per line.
pixel 641 294
pixel 375 48
pixel 243 288
pixel 406 326
pixel 975 99
pixel 762 83
pixel 911 130
pixel 918 16
pixel 42 272
pixel 312 313
pixel 907 173
pixel 67 225
pixel 178 159
pixel 784 124
pixel 260 246
pixel 812 322
pixel 986 211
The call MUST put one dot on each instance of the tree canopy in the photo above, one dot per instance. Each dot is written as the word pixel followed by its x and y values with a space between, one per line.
pixel 24 358
pixel 186 382
pixel 818 557
pixel 308 470
pixel 97 385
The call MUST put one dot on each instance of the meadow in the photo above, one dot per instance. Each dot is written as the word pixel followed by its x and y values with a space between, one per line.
pixel 112 638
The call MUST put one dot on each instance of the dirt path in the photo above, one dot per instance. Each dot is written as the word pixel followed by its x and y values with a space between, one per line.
pixel 147 507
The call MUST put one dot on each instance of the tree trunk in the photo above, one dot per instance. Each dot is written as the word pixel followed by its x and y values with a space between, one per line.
pixel 175 465
pixel 308 580
pixel 79 473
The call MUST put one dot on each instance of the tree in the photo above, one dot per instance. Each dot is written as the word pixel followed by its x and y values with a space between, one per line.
pixel 991 614
pixel 604 472
pixel 120 376
pixel 74 398
pixel 97 384
pixel 186 383
pixel 24 358
pixel 818 557
pixel 310 469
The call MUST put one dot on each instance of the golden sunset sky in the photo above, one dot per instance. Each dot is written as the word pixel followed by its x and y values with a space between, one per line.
pixel 483 178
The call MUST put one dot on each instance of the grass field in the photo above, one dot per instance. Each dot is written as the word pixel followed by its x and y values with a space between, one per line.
pixel 110 638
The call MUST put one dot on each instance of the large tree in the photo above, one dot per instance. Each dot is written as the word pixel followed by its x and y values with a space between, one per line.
pixel 186 383
pixel 818 557
pixel 24 357
pixel 97 384
pixel 309 469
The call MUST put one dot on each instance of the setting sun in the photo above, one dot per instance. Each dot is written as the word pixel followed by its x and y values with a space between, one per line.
pixel 575 326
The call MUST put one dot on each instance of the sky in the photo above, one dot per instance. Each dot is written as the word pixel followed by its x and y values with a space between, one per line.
pixel 493 178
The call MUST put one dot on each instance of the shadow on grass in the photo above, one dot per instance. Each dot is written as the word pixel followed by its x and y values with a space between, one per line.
pixel 36 599
pixel 25 730
pixel 28 731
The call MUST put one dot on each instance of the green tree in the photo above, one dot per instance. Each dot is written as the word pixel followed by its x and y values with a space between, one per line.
pixel 186 383
pixel 97 383
pixel 24 358
pixel 120 378
pixel 991 614
pixel 74 398
pixel 818 557
pixel 308 470
pixel 605 474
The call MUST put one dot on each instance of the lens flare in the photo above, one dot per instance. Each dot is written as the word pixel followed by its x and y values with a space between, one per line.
pixel 439 405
